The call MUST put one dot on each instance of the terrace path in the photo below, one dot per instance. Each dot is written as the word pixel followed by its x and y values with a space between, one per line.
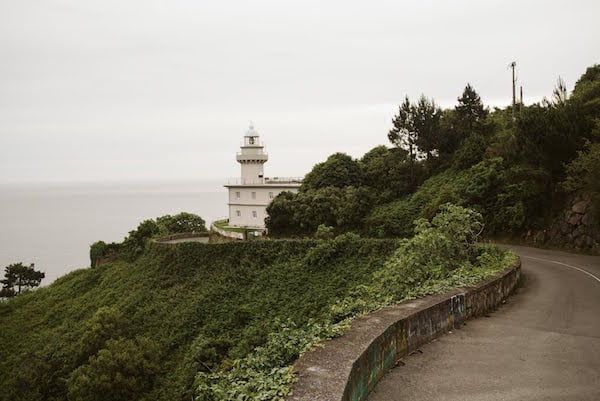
pixel 191 239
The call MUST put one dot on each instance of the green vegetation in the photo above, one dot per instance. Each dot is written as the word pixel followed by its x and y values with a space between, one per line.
pixel 224 225
pixel 20 276
pixel 443 254
pixel 582 173
pixel 222 321
pixel 196 308
pixel 519 174
pixel 226 321
pixel 137 241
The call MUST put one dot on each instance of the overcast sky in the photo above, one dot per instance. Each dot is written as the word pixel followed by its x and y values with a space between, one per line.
pixel 100 90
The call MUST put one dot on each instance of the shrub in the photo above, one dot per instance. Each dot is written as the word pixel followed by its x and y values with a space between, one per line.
pixel 122 371
pixel 136 242
pixel 181 223
pixel 324 232
pixel 439 247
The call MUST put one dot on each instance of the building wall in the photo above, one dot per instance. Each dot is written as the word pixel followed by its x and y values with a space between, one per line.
pixel 247 216
pixel 252 173
pixel 248 204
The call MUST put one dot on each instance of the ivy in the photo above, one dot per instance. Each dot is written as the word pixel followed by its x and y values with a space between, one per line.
pixel 443 254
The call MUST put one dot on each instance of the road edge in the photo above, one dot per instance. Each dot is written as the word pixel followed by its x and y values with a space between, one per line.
pixel 348 368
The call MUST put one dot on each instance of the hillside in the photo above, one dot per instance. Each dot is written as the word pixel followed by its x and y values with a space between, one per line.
pixel 533 176
pixel 195 308
pixel 225 321
pixel 221 321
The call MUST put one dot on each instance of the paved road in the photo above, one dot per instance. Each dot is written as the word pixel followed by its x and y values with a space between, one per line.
pixel 543 344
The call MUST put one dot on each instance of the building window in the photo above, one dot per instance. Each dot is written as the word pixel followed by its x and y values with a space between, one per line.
pixel 253 195
pixel 271 195
pixel 238 213
pixel 254 213
pixel 237 195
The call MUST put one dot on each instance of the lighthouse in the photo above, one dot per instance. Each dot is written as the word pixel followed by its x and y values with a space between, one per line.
pixel 252 158
pixel 252 192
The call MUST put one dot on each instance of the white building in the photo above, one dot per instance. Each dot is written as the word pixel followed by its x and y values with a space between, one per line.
pixel 250 195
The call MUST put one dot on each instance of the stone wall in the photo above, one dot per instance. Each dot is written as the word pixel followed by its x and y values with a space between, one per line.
pixel 232 235
pixel 349 367
pixel 216 238
pixel 576 227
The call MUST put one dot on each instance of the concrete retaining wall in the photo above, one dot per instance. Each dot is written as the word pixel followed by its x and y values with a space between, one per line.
pixel 174 237
pixel 226 234
pixel 349 367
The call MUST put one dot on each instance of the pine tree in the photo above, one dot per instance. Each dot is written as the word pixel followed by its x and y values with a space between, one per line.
pixel 470 112
pixel 404 133
pixel 427 125
pixel 20 276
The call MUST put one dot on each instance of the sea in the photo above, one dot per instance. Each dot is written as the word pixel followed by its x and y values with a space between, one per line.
pixel 53 225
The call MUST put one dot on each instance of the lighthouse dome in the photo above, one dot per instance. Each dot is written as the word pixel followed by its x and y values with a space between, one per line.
pixel 251 131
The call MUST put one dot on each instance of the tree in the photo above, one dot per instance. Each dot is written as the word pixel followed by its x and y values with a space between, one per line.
pixel 134 244
pixel 470 152
pixel 464 138
pixel 107 323
pixel 470 112
pixel 301 214
pixel 559 94
pixel 20 276
pixel 322 206
pixel 339 170
pixel 387 173
pixel 404 133
pixel 582 172
pixel 124 370
pixel 281 219
pixel 582 175
pixel 416 128
pixel 181 223
pixel 550 137
pixel 587 88
pixel 427 125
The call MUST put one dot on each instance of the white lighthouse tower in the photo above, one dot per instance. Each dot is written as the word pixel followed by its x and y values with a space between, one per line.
pixel 250 194
pixel 252 158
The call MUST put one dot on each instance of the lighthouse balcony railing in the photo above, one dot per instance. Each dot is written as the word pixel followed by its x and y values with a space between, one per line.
pixel 252 156
pixel 265 181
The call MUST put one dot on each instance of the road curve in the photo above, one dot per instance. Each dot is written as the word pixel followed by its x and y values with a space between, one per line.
pixel 543 344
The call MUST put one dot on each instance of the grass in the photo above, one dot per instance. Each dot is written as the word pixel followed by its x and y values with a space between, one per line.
pixel 223 225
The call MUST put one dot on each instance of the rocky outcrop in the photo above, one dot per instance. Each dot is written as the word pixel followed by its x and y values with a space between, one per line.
pixel 576 227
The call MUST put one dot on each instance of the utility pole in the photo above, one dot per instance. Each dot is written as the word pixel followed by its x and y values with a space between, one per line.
pixel 514 107
pixel 521 100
